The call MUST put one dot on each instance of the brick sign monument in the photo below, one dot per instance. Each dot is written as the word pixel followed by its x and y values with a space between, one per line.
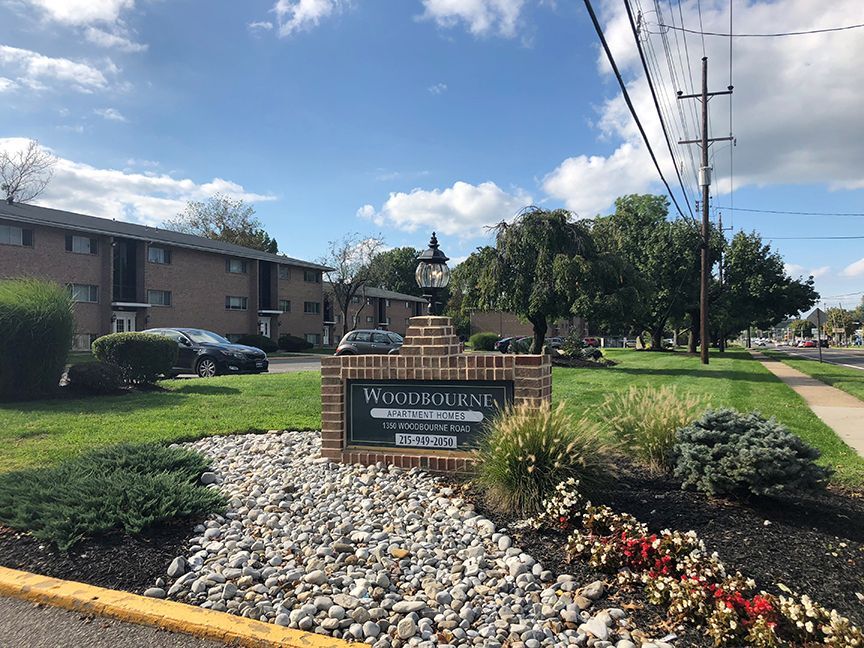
pixel 425 407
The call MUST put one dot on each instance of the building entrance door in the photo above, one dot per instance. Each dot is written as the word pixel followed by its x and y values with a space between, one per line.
pixel 124 322
pixel 264 326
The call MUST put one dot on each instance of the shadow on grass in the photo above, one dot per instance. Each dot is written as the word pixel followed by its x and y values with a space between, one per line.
pixel 697 374
pixel 97 405
pixel 207 390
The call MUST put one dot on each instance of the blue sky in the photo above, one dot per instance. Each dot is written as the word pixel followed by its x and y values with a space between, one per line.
pixel 337 116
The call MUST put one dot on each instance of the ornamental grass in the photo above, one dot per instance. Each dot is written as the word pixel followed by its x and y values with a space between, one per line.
pixel 645 421
pixel 527 451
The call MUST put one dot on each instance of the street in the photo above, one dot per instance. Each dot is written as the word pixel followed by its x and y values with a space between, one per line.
pixel 846 357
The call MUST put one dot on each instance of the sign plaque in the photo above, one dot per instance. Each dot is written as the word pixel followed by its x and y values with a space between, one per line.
pixel 432 414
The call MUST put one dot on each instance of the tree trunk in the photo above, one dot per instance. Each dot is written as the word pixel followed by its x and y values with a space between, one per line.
pixel 657 340
pixel 721 341
pixel 539 334
pixel 694 331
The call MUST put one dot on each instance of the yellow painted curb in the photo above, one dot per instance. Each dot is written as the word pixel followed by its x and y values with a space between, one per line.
pixel 170 615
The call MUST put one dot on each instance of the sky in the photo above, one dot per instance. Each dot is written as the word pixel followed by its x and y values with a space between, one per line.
pixel 400 117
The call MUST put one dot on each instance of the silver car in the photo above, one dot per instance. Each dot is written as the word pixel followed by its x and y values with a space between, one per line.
pixel 364 341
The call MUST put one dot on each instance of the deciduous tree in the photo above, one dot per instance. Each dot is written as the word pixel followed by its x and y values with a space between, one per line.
pixel 394 270
pixel 350 259
pixel 223 218
pixel 25 173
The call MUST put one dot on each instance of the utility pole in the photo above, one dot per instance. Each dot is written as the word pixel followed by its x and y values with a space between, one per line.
pixel 705 183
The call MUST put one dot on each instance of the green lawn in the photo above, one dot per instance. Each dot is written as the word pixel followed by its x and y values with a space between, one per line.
pixel 42 432
pixel 733 379
pixel 845 378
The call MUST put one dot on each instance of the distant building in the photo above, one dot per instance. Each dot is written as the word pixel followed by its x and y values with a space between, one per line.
pixel 128 277
pixel 370 308
pixel 508 324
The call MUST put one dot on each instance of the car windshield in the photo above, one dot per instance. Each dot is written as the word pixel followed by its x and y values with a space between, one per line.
pixel 205 337
pixel 395 337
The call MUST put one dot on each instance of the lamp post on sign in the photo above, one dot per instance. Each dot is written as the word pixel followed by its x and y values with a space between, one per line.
pixel 432 274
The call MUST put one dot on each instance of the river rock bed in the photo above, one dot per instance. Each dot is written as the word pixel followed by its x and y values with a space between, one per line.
pixel 375 554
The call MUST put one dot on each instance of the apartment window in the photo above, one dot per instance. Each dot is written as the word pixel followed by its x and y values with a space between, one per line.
pixel 407 304
pixel 312 276
pixel 86 293
pixel 285 305
pixel 236 303
pixel 314 338
pixel 12 235
pixel 159 297
pixel 388 303
pixel 312 307
pixel 370 319
pixel 355 299
pixel 234 337
pixel 83 341
pixel 81 244
pixel 159 255
pixel 284 272
pixel 368 301
pixel 235 266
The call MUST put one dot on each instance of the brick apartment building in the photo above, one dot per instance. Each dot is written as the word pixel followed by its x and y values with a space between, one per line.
pixel 372 308
pixel 128 277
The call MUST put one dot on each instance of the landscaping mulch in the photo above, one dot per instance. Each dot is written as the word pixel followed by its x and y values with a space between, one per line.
pixel 117 562
pixel 813 544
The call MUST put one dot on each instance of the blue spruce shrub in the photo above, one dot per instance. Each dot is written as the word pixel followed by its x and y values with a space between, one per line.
pixel 729 453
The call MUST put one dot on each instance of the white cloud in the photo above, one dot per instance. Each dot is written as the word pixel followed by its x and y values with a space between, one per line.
pixel 463 209
pixel 134 197
pixel 6 84
pixel 301 15
pixel 481 17
pixel 778 140
pixel 260 25
pixel 111 114
pixel 82 12
pixel 118 40
pixel 437 89
pixel 821 271
pixel 854 269
pixel 793 269
pixel 38 71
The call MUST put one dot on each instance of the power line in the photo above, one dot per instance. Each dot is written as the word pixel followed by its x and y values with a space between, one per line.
pixel 811 238
pixel 791 213
pixel 656 102
pixel 629 103
pixel 775 35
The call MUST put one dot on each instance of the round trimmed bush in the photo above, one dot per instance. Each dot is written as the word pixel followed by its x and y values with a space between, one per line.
pixel 293 343
pixel 37 326
pixel 528 451
pixel 95 378
pixel 259 342
pixel 142 357
pixel 729 453
pixel 483 341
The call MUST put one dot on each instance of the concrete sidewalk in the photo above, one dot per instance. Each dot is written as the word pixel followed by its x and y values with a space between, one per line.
pixel 840 411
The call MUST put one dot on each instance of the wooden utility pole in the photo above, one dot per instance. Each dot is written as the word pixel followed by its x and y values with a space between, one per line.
pixel 705 183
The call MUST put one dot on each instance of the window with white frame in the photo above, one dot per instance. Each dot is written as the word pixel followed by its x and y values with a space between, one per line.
pixel 159 297
pixel 285 305
pixel 235 266
pixel 312 308
pixel 160 255
pixel 81 244
pixel 284 272
pixel 13 235
pixel 84 293
pixel 236 303
pixel 312 276
pixel 314 338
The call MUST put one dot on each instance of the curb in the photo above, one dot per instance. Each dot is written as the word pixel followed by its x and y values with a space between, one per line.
pixel 169 615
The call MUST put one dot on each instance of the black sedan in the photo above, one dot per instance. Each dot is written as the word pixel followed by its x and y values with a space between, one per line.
pixel 209 354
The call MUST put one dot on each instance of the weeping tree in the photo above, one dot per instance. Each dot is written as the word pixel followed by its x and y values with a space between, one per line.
pixel 542 267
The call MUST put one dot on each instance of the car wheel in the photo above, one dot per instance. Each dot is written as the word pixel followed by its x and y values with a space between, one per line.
pixel 206 367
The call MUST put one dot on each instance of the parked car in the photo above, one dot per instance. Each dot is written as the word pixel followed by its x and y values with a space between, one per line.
pixel 363 341
pixel 807 344
pixel 554 342
pixel 209 354
pixel 823 343
pixel 592 342
pixel 503 344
